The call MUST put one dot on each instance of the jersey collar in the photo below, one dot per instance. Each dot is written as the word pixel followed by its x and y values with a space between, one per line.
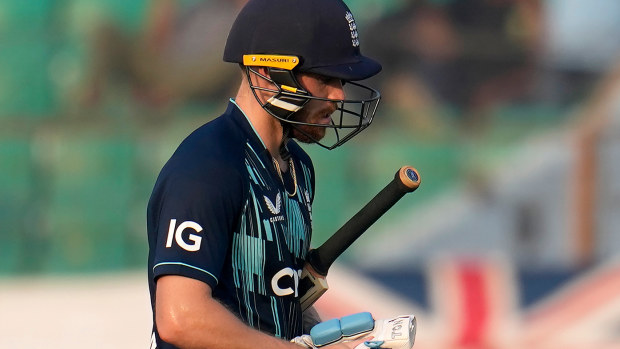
pixel 242 120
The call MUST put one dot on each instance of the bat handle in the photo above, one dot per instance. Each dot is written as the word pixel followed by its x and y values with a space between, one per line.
pixel 406 180
pixel 408 177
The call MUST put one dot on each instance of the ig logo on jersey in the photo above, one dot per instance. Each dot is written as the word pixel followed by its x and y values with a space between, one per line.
pixel 194 240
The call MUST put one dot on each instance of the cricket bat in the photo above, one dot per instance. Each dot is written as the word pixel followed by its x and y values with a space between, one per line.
pixel 313 283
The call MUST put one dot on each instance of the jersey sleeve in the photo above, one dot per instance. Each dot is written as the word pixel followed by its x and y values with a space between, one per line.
pixel 195 215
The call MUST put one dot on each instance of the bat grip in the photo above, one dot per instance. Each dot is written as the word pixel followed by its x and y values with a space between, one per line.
pixel 405 181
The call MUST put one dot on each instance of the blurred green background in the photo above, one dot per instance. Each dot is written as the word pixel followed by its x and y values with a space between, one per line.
pixel 95 95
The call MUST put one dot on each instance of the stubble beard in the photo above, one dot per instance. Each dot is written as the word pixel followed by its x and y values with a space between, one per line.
pixel 308 133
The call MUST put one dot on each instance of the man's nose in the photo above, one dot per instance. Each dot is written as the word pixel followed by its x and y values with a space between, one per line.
pixel 336 90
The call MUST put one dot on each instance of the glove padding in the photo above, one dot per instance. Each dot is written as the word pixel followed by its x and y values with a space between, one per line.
pixel 395 333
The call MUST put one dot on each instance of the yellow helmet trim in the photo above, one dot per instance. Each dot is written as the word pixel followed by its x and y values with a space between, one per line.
pixel 274 61
pixel 288 88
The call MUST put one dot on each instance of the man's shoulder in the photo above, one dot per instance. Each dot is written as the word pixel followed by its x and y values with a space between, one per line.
pixel 219 138
pixel 211 149
pixel 219 134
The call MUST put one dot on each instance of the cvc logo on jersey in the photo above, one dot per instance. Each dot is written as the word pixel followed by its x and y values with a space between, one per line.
pixel 193 243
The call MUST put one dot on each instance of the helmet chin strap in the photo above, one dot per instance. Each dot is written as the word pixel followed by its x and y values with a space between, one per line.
pixel 280 106
pixel 283 105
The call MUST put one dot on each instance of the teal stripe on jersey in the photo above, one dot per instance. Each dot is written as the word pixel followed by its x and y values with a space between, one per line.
pixel 236 261
pixel 253 162
pixel 248 263
pixel 257 212
pixel 268 231
pixel 251 172
pixel 255 155
pixel 297 231
pixel 276 317
pixel 306 172
pixel 249 313
pixel 185 265
pixel 254 173
pixel 279 246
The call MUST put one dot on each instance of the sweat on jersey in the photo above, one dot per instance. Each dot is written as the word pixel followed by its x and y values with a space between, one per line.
pixel 219 213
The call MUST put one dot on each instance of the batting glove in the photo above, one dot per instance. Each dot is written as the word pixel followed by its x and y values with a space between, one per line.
pixel 395 333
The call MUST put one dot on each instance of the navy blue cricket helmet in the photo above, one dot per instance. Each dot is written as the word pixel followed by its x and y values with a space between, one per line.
pixel 305 36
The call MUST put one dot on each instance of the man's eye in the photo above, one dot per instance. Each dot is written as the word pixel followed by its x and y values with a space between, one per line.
pixel 328 80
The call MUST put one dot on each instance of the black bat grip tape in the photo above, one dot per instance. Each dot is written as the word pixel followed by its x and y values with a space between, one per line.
pixel 405 181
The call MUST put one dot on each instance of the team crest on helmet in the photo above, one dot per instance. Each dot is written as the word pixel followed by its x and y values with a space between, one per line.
pixel 353 28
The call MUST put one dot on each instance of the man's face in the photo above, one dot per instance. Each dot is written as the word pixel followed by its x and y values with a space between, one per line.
pixel 316 111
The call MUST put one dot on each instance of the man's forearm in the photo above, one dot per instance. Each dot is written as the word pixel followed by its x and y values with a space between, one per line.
pixel 187 317
pixel 221 329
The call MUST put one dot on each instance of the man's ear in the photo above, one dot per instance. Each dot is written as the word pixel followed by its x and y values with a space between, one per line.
pixel 260 82
pixel 263 82
pixel 263 71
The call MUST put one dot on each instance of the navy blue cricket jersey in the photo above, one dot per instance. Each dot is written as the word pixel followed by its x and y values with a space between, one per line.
pixel 219 213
